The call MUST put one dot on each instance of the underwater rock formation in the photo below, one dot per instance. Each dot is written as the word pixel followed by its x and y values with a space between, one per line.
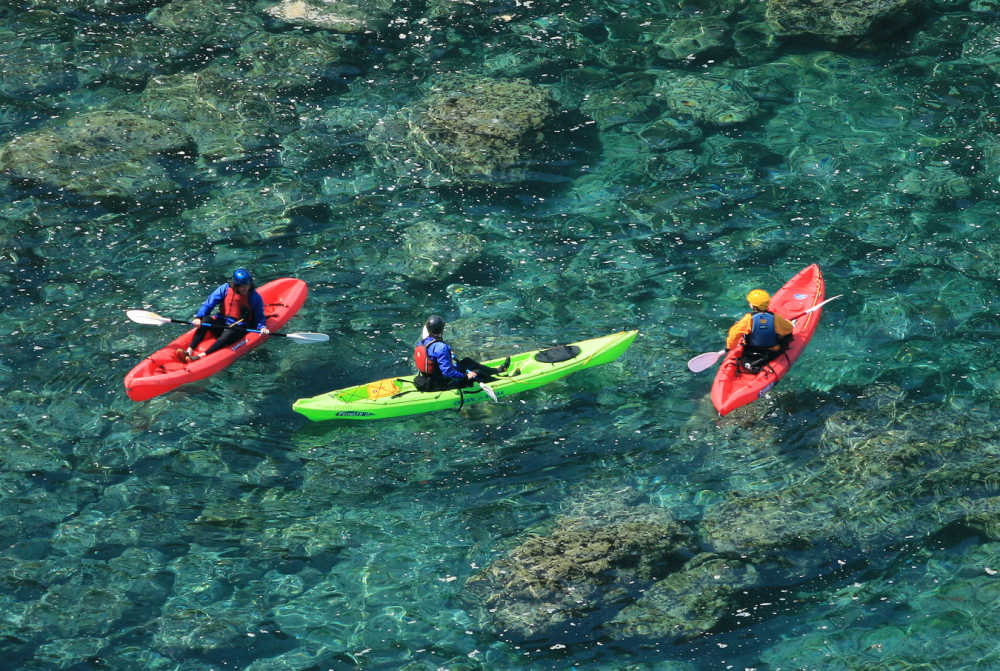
pixel 687 603
pixel 337 15
pixel 33 67
pixel 105 154
pixel 625 570
pixel 934 183
pixel 435 251
pixel 204 24
pixel 89 6
pixel 227 121
pixel 668 133
pixel 551 583
pixel 122 59
pixel 877 478
pixel 467 129
pixel 285 63
pixel 835 18
pixel 695 37
pixel 261 209
pixel 708 98
pixel 628 100
pixel 487 303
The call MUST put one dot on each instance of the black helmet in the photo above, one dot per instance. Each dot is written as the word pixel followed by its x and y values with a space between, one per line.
pixel 435 325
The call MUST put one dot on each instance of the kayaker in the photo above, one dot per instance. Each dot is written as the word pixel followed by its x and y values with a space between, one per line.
pixel 239 305
pixel 436 363
pixel 764 335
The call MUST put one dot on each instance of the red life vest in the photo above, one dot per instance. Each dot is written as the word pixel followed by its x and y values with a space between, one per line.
pixel 236 306
pixel 426 364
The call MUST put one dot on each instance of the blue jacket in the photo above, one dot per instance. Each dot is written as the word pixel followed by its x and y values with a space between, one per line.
pixel 441 353
pixel 256 304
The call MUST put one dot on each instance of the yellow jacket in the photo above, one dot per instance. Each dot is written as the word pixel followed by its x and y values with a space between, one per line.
pixel 737 331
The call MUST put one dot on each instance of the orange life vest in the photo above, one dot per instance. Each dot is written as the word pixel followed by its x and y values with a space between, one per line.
pixel 236 306
pixel 426 364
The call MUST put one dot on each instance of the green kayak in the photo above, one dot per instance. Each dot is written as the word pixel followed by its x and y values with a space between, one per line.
pixel 397 397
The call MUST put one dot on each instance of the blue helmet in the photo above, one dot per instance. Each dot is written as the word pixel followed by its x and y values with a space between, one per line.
pixel 242 276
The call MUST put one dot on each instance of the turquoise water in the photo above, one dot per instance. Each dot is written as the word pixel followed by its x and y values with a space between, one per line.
pixel 653 162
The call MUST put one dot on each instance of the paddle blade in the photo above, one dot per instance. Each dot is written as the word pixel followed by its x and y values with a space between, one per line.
pixel 489 391
pixel 146 317
pixel 306 338
pixel 703 361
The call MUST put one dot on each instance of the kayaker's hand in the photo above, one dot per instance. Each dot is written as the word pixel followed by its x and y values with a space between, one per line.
pixel 264 331
pixel 196 321
pixel 471 375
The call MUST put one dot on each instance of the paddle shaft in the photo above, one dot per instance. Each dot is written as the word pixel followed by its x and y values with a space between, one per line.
pixel 203 324
pixel 815 307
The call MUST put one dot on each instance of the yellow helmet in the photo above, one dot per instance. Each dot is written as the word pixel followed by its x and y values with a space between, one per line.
pixel 758 298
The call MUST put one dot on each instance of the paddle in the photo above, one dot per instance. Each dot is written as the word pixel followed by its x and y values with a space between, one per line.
pixel 708 359
pixel 489 391
pixel 152 319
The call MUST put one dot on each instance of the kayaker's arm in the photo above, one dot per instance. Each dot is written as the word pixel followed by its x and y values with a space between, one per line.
pixel 214 299
pixel 257 305
pixel 783 328
pixel 738 330
pixel 441 352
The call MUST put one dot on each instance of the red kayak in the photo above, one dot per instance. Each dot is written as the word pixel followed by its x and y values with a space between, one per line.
pixel 732 388
pixel 162 371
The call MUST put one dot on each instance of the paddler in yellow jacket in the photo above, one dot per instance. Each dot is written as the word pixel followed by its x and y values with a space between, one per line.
pixel 764 335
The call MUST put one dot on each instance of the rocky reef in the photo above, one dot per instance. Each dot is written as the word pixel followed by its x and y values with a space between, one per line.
pixel 467 129
pixel 621 568
pixel 108 154
pixel 561 580
pixel 337 15
pixel 838 18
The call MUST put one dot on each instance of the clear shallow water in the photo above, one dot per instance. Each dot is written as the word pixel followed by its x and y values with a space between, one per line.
pixel 213 528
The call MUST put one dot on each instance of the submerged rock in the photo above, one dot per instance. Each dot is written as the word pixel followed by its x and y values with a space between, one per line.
pixel 467 129
pixel 106 153
pixel 123 58
pixel 261 209
pixel 687 603
pixel 91 7
pixel 627 101
pixel 836 18
pixel 288 62
pixel 32 67
pixel 761 527
pixel 709 98
pixel 487 303
pixel 877 478
pixel 209 24
pixel 983 517
pixel 552 583
pixel 695 37
pixel 668 133
pixel 337 15
pixel 434 251
pixel 933 183
pixel 227 121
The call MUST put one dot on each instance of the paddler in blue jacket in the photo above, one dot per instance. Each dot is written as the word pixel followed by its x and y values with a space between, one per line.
pixel 764 335
pixel 240 308
pixel 436 362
